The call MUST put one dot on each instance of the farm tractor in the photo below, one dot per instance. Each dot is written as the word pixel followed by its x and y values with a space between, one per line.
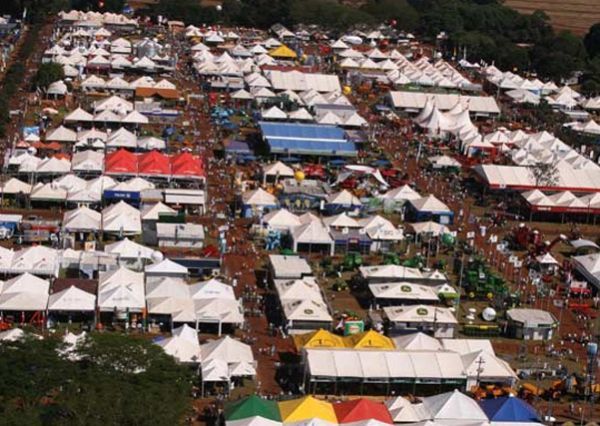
pixel 481 282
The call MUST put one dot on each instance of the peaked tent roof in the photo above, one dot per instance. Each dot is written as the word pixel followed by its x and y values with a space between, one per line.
pixel 370 340
pixel 283 52
pixel 417 341
pixel 509 409
pixel 318 339
pixel 361 409
pixel 227 349
pixel 72 299
pixel 306 408
pixel 252 406
pixel 453 406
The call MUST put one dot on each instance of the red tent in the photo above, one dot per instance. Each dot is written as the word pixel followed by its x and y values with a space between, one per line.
pixel 154 163
pixel 186 165
pixel 361 409
pixel 121 161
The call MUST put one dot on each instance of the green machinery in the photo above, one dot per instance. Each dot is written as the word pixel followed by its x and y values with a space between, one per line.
pixel 352 261
pixel 480 281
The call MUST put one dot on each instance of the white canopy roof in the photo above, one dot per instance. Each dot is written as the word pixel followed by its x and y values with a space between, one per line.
pixel 419 314
pixel 25 292
pixel 121 218
pixel 121 289
pixel 306 311
pixel 259 197
pixel 15 186
pixel 166 267
pixel 72 299
pixel 183 345
pixel 417 342
pixel 152 211
pixel 312 233
pixel 226 349
pixel 281 219
pixel 128 249
pixel 430 227
pixel 344 198
pixel 82 219
pixel 278 169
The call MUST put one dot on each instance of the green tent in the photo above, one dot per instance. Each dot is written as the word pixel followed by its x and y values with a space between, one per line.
pixel 250 407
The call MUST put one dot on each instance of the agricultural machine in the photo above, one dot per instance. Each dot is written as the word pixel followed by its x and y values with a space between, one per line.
pixel 414 262
pixel 352 261
pixel 480 282
pixel 532 240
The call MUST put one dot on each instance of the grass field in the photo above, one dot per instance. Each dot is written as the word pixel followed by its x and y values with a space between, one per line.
pixel 574 15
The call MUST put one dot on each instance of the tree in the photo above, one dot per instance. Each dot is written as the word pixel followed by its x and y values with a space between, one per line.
pixel 544 174
pixel 47 74
pixel 115 6
pixel 591 40
pixel 118 380
pixel 404 14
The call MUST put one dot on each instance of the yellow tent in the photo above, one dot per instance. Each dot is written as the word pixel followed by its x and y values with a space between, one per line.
pixel 306 408
pixel 369 340
pixel 283 52
pixel 318 339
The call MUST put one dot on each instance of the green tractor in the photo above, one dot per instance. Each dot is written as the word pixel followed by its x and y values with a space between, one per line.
pixel 391 259
pixel 414 262
pixel 352 261
pixel 481 282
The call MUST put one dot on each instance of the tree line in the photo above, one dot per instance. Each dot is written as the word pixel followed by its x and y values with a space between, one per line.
pixel 113 380
pixel 484 29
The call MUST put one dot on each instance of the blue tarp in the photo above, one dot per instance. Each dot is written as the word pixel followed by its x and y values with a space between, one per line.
pixel 509 409
pixel 306 139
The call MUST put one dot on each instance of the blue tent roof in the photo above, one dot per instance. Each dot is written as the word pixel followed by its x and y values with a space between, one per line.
pixel 509 409
pixel 307 139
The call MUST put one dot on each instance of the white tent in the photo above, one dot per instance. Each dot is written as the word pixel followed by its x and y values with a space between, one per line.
pixel 390 273
pixel 121 289
pixel 79 115
pixel 259 197
pixel 153 211
pixel 300 289
pixel 121 218
pixel 306 311
pixel 274 113
pixel 87 162
pixel 312 234
pixel 218 311
pixel 278 169
pixel 211 289
pixel 487 367
pixel 183 345
pixel 127 249
pixel 39 260
pixel 166 268
pixel 228 350
pixel 344 198
pixel 25 292
pixel 301 114
pixel 402 410
pixel 430 227
pixel 281 220
pixel 47 192
pixel 61 134
pixel 452 406
pixel 72 299
pixel 417 342
pixel 82 219
pixel 402 193
pixel 14 186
